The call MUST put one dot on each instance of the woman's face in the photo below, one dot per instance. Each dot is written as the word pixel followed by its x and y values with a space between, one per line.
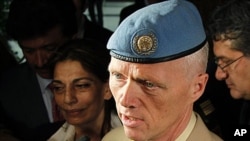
pixel 79 94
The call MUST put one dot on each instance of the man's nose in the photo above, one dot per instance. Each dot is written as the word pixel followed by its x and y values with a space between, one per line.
pixel 220 74
pixel 129 96
pixel 41 58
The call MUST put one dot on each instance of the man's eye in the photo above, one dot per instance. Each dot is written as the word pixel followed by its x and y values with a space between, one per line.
pixel 117 75
pixel 27 50
pixel 50 48
pixel 227 62
pixel 149 84
pixel 222 61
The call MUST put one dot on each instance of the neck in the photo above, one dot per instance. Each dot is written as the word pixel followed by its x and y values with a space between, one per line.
pixel 180 125
pixel 92 129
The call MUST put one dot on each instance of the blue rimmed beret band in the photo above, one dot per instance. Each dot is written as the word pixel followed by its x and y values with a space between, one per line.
pixel 157 60
pixel 159 32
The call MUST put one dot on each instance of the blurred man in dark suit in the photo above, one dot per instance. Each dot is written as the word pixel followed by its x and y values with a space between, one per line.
pixel 40 27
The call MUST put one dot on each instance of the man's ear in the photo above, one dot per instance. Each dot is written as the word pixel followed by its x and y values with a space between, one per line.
pixel 107 92
pixel 199 86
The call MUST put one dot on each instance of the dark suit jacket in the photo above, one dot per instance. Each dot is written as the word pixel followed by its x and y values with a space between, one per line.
pixel 22 108
pixel 96 32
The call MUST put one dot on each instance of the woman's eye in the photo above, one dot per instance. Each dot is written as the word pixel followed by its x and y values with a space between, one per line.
pixel 58 89
pixel 82 86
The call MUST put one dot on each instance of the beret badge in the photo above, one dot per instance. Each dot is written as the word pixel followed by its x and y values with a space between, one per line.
pixel 145 44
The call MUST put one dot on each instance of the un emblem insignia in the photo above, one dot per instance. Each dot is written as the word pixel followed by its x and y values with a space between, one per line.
pixel 145 45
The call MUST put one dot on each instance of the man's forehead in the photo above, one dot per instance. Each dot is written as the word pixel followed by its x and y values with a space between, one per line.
pixel 52 37
pixel 120 65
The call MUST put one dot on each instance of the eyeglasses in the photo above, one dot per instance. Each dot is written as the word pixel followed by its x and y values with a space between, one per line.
pixel 222 67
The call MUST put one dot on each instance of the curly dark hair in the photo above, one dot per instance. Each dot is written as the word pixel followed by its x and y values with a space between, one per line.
pixel 231 21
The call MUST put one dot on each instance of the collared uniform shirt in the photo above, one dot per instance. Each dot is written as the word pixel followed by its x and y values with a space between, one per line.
pixel 195 131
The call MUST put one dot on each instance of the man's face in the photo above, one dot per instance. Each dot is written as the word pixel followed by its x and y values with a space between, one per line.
pixel 39 50
pixel 152 100
pixel 236 74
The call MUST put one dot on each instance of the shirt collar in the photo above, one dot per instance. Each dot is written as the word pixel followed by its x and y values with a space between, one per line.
pixel 43 83
pixel 185 134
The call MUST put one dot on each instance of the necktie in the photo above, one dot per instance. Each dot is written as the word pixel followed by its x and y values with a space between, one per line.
pixel 57 116
pixel 84 138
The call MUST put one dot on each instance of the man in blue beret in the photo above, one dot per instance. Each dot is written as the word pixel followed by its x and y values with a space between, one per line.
pixel 157 72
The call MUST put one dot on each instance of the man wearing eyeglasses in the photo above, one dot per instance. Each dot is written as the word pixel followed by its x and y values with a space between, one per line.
pixel 230 31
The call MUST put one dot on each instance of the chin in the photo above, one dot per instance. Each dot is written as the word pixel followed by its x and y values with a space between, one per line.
pixel 44 73
pixel 236 94
pixel 246 96
pixel 133 135
pixel 74 121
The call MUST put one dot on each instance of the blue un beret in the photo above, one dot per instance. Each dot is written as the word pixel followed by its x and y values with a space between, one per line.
pixel 159 32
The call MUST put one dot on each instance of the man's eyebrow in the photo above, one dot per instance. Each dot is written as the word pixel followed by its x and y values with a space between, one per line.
pixel 221 58
pixel 143 81
pixel 21 46
pixel 43 46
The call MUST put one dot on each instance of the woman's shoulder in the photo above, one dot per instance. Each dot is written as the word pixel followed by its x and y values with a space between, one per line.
pixel 115 120
pixel 65 132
